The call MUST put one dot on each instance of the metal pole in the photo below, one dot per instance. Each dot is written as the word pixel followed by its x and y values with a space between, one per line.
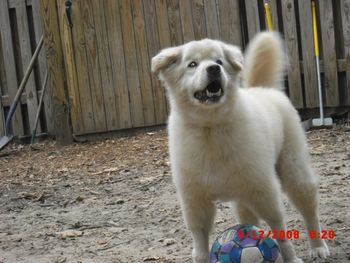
pixel 22 86
pixel 39 108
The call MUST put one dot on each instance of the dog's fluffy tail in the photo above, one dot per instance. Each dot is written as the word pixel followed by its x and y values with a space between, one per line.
pixel 264 61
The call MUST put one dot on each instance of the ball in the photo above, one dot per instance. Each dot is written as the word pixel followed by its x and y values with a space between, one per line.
pixel 244 243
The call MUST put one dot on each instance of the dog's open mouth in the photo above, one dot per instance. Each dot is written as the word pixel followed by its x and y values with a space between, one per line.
pixel 211 94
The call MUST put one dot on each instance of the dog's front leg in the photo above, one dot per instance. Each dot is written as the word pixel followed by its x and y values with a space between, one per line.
pixel 199 215
pixel 200 252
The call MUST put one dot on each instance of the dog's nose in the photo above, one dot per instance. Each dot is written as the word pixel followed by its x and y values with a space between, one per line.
pixel 213 70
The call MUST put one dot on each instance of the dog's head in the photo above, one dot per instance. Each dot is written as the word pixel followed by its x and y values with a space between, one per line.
pixel 201 74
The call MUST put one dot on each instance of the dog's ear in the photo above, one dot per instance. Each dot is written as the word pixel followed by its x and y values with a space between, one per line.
pixel 165 58
pixel 234 56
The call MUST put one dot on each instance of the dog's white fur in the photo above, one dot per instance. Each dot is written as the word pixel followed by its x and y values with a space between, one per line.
pixel 247 147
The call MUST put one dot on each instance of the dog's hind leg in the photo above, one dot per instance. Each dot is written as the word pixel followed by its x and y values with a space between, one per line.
pixel 301 185
pixel 268 205
pixel 245 215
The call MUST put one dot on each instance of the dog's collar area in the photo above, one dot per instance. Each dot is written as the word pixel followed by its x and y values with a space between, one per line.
pixel 211 94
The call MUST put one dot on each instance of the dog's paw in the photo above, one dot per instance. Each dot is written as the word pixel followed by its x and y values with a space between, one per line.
pixel 295 260
pixel 200 257
pixel 320 252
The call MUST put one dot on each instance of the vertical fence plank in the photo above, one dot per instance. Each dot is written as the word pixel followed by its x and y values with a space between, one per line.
pixel 329 55
pixel 230 22
pixel 71 72
pixel 291 40
pixel 163 25
pixel 26 55
pixel 2 118
pixel 131 65
pixel 10 69
pixel 2 91
pixel 338 34
pixel 143 62
pixel 3 85
pixel 176 36
pixel 41 65
pixel 211 15
pixel 38 32
pixel 174 22
pixel 56 91
pixel 307 44
pixel 252 10
pixel 153 47
pixel 79 52
pixel 116 48
pixel 345 7
pixel 105 66
pixel 186 20
pixel 199 25
pixel 97 91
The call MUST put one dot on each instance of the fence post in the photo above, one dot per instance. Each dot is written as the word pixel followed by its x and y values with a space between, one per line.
pixel 57 92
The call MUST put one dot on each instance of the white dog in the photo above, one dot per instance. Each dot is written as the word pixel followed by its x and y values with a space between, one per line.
pixel 231 141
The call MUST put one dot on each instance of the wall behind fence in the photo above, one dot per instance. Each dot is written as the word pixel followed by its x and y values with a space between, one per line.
pixel 108 49
pixel 20 31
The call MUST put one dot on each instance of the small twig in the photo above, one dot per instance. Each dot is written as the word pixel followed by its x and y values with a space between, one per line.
pixel 114 245
pixel 86 227
pixel 83 228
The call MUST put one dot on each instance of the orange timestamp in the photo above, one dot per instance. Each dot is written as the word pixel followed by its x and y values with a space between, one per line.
pixel 285 234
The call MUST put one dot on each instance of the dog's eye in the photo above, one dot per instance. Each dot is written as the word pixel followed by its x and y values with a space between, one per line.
pixel 219 62
pixel 193 64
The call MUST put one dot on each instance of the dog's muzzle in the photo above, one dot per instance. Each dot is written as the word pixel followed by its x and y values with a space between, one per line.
pixel 213 91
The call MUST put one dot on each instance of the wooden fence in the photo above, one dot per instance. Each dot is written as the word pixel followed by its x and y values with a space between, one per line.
pixel 20 32
pixel 106 53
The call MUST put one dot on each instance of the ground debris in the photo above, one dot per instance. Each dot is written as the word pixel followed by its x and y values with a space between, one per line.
pixel 152 258
pixel 60 260
pixel 70 233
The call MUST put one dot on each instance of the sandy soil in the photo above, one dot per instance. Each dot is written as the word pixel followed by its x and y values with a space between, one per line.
pixel 113 201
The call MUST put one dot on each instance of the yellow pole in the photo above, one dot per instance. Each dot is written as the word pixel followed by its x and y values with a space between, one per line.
pixel 314 25
pixel 268 17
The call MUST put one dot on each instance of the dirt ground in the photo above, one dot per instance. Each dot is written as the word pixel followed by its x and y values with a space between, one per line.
pixel 113 201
